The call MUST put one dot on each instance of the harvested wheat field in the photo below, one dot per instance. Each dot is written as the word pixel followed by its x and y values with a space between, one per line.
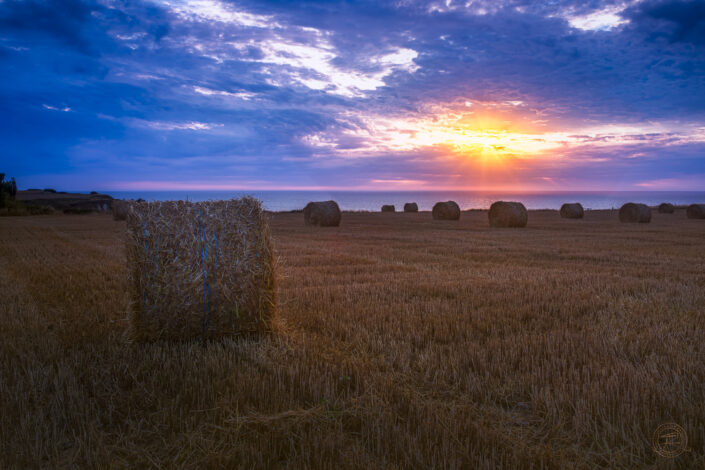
pixel 402 343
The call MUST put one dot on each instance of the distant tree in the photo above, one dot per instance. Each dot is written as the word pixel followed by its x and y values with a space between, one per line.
pixel 3 196
pixel 8 190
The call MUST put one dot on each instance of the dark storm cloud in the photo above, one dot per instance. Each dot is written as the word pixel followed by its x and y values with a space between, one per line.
pixel 677 21
pixel 63 20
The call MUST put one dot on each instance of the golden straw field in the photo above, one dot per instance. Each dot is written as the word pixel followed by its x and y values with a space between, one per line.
pixel 400 342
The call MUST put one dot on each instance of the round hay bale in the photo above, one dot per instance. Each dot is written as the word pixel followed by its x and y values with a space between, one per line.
pixel 508 214
pixel 388 208
pixel 322 213
pixel 411 207
pixel 203 270
pixel 666 208
pixel 119 209
pixel 448 210
pixel 632 213
pixel 572 210
pixel 696 211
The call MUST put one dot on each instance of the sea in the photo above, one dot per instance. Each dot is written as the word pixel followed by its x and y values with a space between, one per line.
pixel 373 200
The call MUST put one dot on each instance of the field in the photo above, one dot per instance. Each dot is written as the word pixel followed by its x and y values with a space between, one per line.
pixel 400 342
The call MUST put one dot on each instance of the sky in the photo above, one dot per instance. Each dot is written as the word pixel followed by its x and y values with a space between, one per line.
pixel 403 95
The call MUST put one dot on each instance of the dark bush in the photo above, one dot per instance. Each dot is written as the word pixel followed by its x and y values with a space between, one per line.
pixel 8 190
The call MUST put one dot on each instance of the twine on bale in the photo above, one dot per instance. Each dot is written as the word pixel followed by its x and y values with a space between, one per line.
pixel 199 270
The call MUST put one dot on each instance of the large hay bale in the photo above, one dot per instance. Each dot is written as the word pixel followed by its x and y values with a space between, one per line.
pixel 411 207
pixel 119 209
pixel 508 214
pixel 200 270
pixel 695 211
pixel 666 208
pixel 572 210
pixel 322 213
pixel 632 213
pixel 388 208
pixel 448 210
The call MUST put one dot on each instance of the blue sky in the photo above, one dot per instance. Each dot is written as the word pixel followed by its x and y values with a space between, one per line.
pixel 404 95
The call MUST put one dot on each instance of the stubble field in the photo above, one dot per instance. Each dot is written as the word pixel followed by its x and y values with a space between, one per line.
pixel 400 342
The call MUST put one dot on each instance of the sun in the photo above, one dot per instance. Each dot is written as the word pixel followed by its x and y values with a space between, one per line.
pixel 485 141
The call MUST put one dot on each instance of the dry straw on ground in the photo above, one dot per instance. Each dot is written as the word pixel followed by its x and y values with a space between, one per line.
pixel 411 207
pixel 572 211
pixel 322 213
pixel 199 270
pixel 401 342
pixel 119 209
pixel 696 211
pixel 388 208
pixel 446 211
pixel 635 213
pixel 666 208
pixel 508 214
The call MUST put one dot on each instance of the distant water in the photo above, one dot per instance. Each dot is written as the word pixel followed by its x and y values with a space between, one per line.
pixel 372 201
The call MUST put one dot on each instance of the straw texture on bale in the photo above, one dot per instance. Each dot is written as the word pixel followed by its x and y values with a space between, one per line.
pixel 572 211
pixel 200 270
pixel 411 207
pixel 666 208
pixel 322 213
pixel 448 210
pixel 508 214
pixel 119 209
pixel 696 211
pixel 635 213
pixel 388 208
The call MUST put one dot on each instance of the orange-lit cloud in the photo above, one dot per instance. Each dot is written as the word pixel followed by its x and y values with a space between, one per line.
pixel 490 133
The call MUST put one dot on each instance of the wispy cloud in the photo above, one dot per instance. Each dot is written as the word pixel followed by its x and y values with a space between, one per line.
pixel 603 20
pixel 214 10
pixel 171 126
pixel 243 95
pixel 313 64
pixel 64 109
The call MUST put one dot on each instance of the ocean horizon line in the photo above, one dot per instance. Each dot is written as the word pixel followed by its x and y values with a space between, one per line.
pixel 406 191
pixel 288 200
